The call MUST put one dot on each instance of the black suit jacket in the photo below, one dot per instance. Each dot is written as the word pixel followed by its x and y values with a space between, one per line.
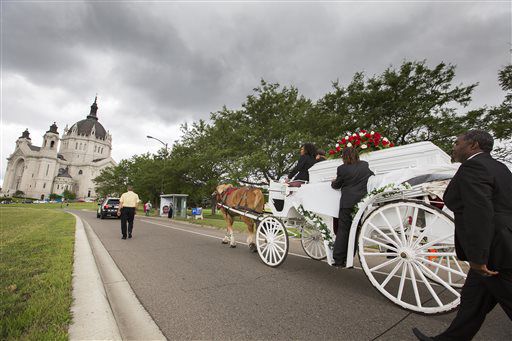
pixel 480 196
pixel 352 180
pixel 300 171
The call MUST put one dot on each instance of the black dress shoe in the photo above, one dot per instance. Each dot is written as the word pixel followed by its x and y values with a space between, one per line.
pixel 123 237
pixel 339 265
pixel 421 336
pixel 130 235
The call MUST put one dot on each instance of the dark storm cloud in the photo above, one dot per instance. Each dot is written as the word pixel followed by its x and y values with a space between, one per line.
pixel 56 44
pixel 192 59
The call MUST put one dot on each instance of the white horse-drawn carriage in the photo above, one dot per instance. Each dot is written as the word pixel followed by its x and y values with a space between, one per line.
pixel 403 233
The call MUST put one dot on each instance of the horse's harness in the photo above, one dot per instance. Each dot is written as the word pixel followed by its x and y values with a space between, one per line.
pixel 224 196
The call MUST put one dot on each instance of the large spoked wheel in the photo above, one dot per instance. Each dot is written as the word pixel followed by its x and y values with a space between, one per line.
pixel 272 241
pixel 407 252
pixel 312 241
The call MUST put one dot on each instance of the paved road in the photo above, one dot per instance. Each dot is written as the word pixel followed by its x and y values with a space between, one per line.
pixel 196 288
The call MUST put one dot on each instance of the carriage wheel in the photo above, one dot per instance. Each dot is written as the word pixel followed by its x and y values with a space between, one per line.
pixel 312 241
pixel 407 252
pixel 272 241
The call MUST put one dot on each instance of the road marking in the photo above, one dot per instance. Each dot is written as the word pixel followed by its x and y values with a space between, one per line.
pixel 290 253
pixel 210 236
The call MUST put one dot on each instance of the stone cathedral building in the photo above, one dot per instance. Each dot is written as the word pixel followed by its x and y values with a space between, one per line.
pixel 69 161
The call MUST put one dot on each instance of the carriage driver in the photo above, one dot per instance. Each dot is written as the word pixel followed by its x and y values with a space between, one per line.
pixel 351 177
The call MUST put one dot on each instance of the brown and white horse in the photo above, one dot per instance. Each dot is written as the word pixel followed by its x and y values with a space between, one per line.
pixel 242 198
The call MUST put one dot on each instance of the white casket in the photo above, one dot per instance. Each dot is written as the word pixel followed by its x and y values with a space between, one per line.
pixel 415 155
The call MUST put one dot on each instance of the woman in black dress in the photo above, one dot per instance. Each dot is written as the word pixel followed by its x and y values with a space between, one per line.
pixel 299 174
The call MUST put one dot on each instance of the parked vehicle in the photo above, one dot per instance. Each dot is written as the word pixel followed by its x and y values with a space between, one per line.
pixel 108 208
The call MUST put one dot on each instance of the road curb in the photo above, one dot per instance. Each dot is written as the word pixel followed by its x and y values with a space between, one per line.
pixel 133 321
pixel 105 306
pixel 92 315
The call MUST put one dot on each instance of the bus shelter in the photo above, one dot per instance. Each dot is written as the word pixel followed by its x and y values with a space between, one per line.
pixel 178 203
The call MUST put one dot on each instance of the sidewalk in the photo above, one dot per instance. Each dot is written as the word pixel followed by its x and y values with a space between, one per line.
pixel 104 305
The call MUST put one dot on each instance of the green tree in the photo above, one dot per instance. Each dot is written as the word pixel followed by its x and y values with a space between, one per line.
pixel 260 142
pixel 68 195
pixel 497 120
pixel 409 104
pixel 195 165
pixel 112 180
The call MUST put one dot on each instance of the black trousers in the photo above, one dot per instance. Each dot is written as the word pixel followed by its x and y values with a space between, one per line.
pixel 127 215
pixel 479 296
pixel 339 253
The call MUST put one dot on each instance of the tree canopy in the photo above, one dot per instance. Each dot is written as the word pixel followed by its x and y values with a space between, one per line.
pixel 259 141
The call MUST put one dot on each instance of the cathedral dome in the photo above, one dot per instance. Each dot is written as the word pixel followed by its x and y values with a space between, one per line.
pixel 89 125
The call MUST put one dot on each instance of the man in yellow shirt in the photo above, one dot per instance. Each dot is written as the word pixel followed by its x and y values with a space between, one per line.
pixel 127 204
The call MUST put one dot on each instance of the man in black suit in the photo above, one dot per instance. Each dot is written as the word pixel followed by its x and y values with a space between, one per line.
pixel 480 196
pixel 352 177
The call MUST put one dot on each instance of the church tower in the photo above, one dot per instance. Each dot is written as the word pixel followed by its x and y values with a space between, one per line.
pixel 24 139
pixel 51 140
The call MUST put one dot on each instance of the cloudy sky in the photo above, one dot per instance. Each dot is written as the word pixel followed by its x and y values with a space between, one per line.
pixel 156 65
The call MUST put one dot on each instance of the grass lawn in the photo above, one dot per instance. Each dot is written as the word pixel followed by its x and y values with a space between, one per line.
pixel 72 206
pixel 36 248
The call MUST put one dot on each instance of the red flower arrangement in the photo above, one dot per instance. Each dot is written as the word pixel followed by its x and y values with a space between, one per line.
pixel 363 141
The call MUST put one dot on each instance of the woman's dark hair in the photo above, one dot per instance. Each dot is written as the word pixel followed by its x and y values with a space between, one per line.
pixel 350 156
pixel 484 139
pixel 309 149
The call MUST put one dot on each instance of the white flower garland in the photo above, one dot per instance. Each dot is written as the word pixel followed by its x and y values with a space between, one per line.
pixel 390 189
pixel 319 224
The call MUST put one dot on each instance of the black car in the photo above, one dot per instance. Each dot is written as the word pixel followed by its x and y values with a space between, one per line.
pixel 108 208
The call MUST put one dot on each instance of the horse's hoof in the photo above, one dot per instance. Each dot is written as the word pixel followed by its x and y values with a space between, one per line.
pixel 232 246
pixel 224 242
pixel 252 247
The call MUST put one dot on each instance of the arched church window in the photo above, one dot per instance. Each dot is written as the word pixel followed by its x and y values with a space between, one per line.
pixel 47 169
pixel 44 185
pixel 76 146
pixel 80 172
pixel 52 144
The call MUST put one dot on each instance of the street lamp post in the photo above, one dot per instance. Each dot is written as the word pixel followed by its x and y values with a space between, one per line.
pixel 165 158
